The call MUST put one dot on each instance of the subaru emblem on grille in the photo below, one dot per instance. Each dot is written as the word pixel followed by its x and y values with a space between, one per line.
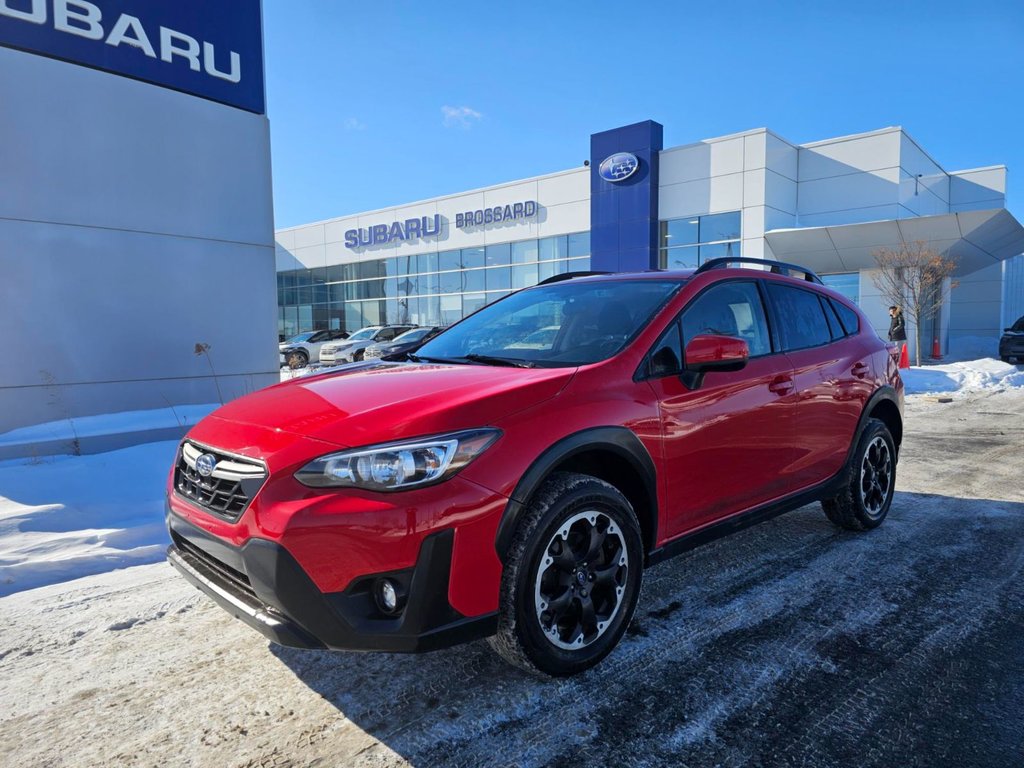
pixel 205 464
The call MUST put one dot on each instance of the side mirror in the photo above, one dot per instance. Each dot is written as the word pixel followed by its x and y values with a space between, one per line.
pixel 707 352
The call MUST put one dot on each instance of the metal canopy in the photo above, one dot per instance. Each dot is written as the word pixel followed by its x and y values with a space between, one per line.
pixel 977 239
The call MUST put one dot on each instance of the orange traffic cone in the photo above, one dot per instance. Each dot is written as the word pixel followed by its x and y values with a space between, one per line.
pixel 904 357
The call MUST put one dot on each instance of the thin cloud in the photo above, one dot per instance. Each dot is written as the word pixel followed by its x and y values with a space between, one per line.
pixel 354 124
pixel 459 117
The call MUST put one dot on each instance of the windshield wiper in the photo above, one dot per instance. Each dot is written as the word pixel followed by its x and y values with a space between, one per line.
pixel 491 360
pixel 473 358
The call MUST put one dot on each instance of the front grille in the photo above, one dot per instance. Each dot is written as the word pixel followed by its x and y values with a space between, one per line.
pixel 227 491
pixel 215 568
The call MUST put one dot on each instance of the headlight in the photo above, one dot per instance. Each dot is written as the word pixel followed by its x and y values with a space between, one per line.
pixel 397 466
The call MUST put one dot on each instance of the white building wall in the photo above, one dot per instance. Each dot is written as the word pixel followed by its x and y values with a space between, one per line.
pixel 1013 290
pixel 563 207
pixel 850 179
pixel 978 189
pixel 135 222
pixel 975 309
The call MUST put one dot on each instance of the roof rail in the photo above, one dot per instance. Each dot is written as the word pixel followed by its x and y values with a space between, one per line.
pixel 776 266
pixel 569 276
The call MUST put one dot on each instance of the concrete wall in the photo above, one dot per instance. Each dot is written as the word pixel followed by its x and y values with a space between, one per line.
pixel 135 222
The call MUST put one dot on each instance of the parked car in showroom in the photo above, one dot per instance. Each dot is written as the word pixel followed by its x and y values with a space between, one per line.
pixel 481 488
pixel 351 350
pixel 299 350
pixel 405 342
pixel 1011 343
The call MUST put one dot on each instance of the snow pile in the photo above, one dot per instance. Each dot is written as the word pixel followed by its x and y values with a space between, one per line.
pixel 71 516
pixel 985 374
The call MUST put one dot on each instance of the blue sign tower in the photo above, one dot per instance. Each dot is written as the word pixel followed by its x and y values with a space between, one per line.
pixel 624 197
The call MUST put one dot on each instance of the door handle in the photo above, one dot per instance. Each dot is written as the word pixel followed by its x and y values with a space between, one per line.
pixel 860 370
pixel 781 385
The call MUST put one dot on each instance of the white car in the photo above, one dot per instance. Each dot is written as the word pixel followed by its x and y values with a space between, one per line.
pixel 351 349
pixel 299 350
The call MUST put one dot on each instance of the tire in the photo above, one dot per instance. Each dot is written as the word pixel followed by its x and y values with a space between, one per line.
pixel 547 563
pixel 864 502
pixel 297 359
pixel 358 355
pixel 1006 358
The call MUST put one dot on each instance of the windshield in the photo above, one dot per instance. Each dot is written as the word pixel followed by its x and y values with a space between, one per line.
pixel 365 333
pixel 1018 326
pixel 300 338
pixel 562 324
pixel 414 335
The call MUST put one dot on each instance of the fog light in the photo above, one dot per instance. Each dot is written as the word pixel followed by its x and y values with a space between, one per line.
pixel 387 595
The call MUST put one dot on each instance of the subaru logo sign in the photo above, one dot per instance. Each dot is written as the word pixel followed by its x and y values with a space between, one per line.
pixel 618 167
pixel 205 464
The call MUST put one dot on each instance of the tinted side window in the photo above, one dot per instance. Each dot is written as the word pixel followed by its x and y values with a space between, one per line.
pixel 801 319
pixel 729 309
pixel 667 355
pixel 849 319
pixel 834 326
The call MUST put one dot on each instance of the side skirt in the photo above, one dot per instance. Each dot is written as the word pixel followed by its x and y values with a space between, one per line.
pixel 742 520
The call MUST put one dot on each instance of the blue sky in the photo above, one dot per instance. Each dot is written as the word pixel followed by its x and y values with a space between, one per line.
pixel 373 104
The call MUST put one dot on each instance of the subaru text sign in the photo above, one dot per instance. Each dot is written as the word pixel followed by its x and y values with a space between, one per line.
pixel 432 226
pixel 618 167
pixel 212 49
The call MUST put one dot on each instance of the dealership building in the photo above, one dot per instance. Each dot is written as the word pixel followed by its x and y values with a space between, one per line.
pixel 828 205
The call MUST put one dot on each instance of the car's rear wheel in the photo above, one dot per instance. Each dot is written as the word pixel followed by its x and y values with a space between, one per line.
pixel 297 359
pixel 572 577
pixel 865 500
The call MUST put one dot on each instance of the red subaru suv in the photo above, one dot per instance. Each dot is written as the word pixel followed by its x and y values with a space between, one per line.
pixel 508 483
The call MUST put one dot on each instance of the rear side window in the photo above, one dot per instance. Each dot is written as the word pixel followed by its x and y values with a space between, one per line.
pixel 729 309
pixel 849 318
pixel 834 326
pixel 801 319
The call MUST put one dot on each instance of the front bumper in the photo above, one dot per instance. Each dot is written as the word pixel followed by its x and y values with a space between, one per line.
pixel 1011 346
pixel 264 586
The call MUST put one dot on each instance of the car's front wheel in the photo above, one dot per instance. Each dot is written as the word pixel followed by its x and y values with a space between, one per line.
pixel 572 577
pixel 297 359
pixel 864 501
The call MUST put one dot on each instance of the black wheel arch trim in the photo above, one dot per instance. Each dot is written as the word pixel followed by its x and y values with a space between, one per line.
pixel 883 393
pixel 616 439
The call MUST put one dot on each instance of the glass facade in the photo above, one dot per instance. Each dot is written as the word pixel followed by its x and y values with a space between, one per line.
pixel 436 288
pixel 846 283
pixel 689 242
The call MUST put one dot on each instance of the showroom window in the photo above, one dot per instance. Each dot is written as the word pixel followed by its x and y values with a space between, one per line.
pixel 434 288
pixel 846 283
pixel 688 242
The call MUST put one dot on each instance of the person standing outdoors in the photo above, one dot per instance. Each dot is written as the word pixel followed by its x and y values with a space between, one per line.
pixel 897 326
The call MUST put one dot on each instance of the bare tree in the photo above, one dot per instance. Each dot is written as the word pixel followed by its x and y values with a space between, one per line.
pixel 912 277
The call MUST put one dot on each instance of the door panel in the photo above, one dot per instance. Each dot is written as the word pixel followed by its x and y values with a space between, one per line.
pixel 728 445
pixel 831 380
pixel 833 384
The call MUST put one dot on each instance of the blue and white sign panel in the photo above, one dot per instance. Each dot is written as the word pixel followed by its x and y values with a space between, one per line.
pixel 207 48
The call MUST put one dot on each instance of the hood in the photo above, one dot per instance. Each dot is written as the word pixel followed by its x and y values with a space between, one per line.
pixel 379 402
